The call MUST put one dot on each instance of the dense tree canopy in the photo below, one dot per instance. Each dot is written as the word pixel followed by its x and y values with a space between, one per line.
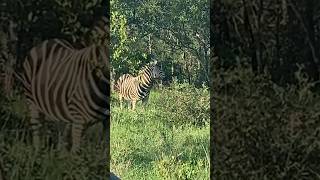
pixel 35 21
pixel 277 37
pixel 174 32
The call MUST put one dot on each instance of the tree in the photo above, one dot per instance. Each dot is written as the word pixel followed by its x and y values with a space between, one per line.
pixel 176 32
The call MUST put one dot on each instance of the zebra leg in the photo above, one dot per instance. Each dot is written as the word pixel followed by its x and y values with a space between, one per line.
pixel 133 104
pixel 76 134
pixel 35 125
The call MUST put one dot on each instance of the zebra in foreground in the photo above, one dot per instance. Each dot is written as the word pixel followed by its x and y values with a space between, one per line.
pixel 138 88
pixel 69 85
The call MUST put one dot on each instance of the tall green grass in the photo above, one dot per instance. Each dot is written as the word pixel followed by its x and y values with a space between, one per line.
pixel 167 139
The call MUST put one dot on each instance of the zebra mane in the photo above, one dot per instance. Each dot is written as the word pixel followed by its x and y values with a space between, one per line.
pixel 147 66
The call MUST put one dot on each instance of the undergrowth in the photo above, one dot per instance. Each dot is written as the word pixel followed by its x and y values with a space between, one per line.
pixel 20 160
pixel 264 131
pixel 166 139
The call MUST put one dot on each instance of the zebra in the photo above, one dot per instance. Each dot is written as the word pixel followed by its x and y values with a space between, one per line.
pixel 69 85
pixel 138 88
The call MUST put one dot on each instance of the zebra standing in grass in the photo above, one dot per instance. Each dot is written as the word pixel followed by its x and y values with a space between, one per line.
pixel 138 88
pixel 69 85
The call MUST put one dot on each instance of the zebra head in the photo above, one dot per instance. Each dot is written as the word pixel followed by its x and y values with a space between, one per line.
pixel 157 73
pixel 152 71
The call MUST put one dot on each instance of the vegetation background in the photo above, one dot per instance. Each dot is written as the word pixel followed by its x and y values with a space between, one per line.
pixel 23 24
pixel 265 95
pixel 169 138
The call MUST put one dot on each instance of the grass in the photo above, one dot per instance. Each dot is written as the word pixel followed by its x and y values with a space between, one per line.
pixel 165 140
pixel 158 141
pixel 20 160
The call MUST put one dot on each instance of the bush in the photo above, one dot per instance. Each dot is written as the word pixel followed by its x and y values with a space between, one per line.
pixel 263 131
pixel 19 159
pixel 186 104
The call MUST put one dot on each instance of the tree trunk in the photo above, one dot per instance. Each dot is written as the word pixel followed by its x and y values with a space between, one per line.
pixel 252 48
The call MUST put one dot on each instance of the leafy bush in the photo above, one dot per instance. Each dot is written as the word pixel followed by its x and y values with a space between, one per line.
pixel 263 131
pixel 181 104
pixel 186 104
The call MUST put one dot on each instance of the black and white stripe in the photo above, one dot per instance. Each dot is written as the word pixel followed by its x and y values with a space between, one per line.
pixel 138 88
pixel 69 85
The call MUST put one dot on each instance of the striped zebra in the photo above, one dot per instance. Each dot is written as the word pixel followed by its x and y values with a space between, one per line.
pixel 68 84
pixel 138 88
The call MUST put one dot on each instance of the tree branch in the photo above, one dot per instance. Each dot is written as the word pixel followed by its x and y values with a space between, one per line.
pixel 311 46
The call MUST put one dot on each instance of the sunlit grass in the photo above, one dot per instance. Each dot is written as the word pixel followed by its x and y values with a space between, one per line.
pixel 157 143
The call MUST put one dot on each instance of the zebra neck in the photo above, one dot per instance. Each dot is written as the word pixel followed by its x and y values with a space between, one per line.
pixel 145 81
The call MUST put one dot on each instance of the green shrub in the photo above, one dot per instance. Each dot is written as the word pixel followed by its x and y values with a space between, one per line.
pixel 185 104
pixel 21 161
pixel 263 131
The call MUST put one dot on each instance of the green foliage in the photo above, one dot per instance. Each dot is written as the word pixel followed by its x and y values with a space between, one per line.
pixel 171 168
pixel 263 131
pixel 164 29
pixel 125 57
pixel 118 29
pixel 12 111
pixel 159 141
pixel 267 37
pixel 39 20
pixel 119 39
pixel 21 161
pixel 191 104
